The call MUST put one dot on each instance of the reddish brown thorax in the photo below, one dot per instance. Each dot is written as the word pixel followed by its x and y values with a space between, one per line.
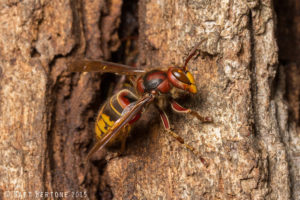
pixel 163 81
pixel 154 80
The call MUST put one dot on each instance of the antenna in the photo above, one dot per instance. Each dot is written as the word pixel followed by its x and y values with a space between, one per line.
pixel 192 53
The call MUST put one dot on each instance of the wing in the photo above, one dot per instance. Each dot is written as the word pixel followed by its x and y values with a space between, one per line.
pixel 102 66
pixel 120 123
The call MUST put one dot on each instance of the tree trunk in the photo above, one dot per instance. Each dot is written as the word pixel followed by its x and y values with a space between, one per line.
pixel 288 15
pixel 47 114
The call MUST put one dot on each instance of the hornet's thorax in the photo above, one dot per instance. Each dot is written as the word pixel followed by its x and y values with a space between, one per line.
pixel 163 81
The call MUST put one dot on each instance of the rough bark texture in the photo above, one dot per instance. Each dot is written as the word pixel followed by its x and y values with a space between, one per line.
pixel 288 32
pixel 23 115
pixel 47 115
pixel 41 150
pixel 235 77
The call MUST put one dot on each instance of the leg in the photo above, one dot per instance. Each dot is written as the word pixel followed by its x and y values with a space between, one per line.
pixel 178 108
pixel 124 136
pixel 166 124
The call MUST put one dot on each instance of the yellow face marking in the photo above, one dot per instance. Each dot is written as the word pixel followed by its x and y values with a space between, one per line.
pixel 192 88
pixel 190 77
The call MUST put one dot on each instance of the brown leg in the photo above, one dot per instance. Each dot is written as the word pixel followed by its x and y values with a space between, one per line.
pixel 123 147
pixel 192 149
pixel 202 119
pixel 166 124
pixel 125 134
pixel 179 109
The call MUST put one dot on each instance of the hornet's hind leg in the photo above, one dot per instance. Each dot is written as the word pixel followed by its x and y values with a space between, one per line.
pixel 123 137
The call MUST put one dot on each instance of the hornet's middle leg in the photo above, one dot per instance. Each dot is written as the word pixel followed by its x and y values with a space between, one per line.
pixel 179 109
pixel 166 124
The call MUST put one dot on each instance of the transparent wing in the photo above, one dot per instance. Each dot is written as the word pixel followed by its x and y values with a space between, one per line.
pixel 102 66
pixel 120 123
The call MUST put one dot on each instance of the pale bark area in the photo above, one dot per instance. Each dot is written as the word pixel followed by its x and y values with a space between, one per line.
pixel 23 100
pixel 46 114
pixel 234 76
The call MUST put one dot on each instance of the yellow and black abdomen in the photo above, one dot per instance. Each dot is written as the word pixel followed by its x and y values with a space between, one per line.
pixel 111 111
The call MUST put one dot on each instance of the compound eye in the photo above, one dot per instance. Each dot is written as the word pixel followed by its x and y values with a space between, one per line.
pixel 180 75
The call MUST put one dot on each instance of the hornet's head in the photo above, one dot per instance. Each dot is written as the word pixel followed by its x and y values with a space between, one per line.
pixel 182 79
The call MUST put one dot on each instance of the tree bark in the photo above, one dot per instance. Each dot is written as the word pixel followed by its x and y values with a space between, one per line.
pixel 42 106
pixel 235 78
pixel 47 114
pixel 289 47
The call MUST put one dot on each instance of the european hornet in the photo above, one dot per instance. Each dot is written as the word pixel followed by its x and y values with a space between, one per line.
pixel 155 86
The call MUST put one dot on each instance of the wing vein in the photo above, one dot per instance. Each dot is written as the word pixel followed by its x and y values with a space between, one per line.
pixel 120 123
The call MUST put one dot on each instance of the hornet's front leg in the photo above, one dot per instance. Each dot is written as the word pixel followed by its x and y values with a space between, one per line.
pixel 165 120
pixel 179 109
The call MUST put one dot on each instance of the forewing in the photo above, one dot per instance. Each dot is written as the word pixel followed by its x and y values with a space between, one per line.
pixel 120 123
pixel 102 66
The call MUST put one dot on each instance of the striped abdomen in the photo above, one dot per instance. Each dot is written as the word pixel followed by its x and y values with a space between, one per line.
pixel 112 110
